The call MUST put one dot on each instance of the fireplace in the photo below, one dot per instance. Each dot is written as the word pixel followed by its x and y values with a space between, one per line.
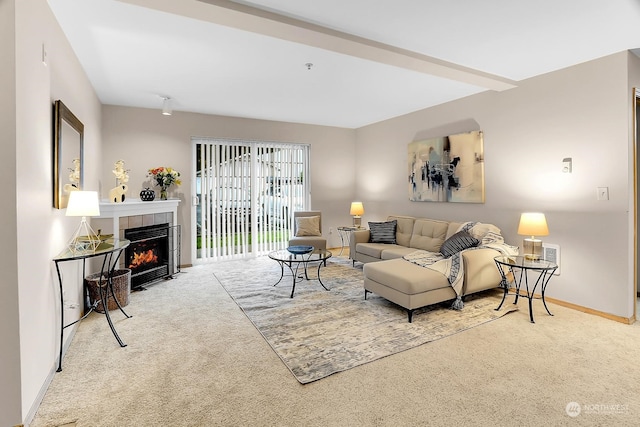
pixel 150 254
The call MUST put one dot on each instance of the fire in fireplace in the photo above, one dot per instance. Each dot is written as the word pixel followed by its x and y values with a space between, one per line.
pixel 140 259
pixel 149 254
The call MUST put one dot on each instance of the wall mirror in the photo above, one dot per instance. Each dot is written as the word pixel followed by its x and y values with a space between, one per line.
pixel 68 141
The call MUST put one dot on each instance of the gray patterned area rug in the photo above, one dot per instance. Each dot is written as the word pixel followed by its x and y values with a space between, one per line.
pixel 318 333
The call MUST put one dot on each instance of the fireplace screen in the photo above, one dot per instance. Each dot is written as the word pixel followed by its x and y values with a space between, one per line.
pixel 149 254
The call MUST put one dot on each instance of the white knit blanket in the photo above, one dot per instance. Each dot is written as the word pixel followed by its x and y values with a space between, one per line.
pixel 453 267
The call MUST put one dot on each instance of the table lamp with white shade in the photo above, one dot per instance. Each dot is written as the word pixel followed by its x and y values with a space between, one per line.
pixel 533 224
pixel 84 204
pixel 357 210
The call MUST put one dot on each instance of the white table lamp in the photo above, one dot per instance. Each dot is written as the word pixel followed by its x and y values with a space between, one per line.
pixel 357 210
pixel 84 204
pixel 533 224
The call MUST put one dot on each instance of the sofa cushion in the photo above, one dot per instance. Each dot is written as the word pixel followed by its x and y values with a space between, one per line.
pixel 458 242
pixel 383 232
pixel 317 242
pixel 375 249
pixel 428 234
pixel 404 230
pixel 396 251
pixel 308 226
pixel 404 276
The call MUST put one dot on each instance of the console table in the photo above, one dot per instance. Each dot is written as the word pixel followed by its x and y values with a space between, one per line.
pixel 111 251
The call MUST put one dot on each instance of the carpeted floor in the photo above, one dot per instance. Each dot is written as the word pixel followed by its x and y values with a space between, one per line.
pixel 318 332
pixel 194 359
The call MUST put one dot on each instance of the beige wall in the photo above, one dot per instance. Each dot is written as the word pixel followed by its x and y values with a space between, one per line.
pixel 40 231
pixel 10 384
pixel 580 112
pixel 144 138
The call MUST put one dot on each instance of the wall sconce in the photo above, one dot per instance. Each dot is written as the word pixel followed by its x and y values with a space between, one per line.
pixel 533 224
pixel 357 210
pixel 166 106
pixel 84 204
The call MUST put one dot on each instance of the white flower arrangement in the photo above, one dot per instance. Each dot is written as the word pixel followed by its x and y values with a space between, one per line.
pixel 74 176
pixel 122 175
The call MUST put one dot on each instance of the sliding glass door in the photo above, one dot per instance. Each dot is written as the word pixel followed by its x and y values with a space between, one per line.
pixel 246 193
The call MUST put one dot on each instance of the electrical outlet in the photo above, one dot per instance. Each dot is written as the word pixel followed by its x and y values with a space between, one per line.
pixel 330 230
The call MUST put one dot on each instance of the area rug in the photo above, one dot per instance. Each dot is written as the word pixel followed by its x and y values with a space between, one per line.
pixel 318 333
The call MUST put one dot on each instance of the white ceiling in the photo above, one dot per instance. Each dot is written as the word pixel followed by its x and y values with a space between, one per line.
pixel 372 59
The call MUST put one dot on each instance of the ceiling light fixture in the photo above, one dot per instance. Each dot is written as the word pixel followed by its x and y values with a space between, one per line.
pixel 166 105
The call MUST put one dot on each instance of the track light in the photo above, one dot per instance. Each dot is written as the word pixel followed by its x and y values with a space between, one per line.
pixel 166 106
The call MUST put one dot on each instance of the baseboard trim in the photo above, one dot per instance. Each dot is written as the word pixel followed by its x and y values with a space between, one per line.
pixel 31 414
pixel 620 319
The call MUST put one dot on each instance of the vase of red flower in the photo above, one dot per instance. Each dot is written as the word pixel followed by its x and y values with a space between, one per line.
pixel 164 177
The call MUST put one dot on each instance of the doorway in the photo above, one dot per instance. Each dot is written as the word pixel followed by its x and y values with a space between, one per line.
pixel 246 193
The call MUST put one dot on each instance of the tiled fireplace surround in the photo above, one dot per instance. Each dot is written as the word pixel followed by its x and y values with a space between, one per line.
pixel 115 218
pixel 134 213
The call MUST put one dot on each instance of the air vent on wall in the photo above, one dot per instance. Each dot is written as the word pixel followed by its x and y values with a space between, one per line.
pixel 551 253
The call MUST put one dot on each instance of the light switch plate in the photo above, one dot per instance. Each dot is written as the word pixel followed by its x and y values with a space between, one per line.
pixel 45 58
pixel 603 193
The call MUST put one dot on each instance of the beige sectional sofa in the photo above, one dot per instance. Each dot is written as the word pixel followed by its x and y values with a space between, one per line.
pixel 413 286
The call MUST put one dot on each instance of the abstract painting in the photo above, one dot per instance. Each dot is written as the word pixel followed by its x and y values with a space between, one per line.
pixel 447 169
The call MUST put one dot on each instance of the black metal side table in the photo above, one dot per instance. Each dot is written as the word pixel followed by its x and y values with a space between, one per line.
pixel 545 269
pixel 111 250
pixel 344 231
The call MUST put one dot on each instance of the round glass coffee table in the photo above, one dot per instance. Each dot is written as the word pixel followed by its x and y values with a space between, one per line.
pixel 294 261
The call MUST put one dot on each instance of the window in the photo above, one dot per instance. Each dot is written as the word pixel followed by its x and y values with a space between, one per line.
pixel 246 195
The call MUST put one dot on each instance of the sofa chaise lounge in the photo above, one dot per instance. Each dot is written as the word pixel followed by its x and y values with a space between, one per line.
pixel 393 269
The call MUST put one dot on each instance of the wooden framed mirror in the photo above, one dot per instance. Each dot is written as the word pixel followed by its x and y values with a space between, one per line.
pixel 68 163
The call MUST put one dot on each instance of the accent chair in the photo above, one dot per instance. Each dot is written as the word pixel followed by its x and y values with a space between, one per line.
pixel 307 230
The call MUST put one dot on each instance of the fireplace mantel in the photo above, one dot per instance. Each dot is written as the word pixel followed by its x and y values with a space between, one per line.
pixel 133 207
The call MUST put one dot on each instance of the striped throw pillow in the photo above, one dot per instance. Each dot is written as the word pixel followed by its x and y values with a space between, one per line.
pixel 458 242
pixel 383 232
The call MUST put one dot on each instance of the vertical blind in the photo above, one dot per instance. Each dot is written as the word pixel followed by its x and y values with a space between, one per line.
pixel 247 192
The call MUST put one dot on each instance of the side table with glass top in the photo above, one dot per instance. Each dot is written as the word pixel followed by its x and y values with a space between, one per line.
pixel 519 267
pixel 344 231
pixel 111 250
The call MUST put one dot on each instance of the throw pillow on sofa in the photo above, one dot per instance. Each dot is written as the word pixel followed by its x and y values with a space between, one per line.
pixel 383 232
pixel 458 242
pixel 308 226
